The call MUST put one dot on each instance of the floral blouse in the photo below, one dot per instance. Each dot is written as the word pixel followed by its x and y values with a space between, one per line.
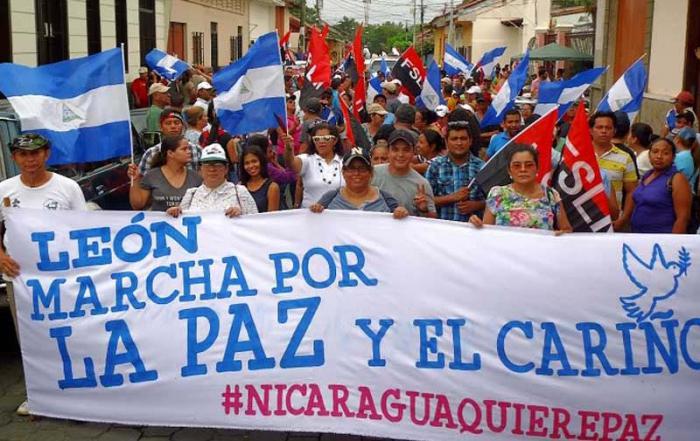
pixel 510 208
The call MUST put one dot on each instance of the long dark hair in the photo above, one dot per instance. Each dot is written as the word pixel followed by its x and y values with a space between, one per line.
pixel 257 151
pixel 169 144
pixel 337 148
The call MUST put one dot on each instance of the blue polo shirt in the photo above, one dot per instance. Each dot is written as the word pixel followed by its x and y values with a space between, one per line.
pixel 497 143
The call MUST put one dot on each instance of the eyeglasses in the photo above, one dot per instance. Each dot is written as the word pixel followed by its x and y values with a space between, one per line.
pixel 323 138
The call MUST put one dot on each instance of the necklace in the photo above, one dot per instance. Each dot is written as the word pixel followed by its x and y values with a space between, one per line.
pixel 324 174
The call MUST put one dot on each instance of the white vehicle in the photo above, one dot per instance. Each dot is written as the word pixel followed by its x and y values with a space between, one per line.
pixel 372 64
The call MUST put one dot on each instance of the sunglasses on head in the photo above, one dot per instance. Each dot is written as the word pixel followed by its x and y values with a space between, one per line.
pixel 458 124
pixel 323 138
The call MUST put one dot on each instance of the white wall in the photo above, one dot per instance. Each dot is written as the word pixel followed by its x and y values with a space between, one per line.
pixel 667 58
pixel 262 19
pixel 23 32
pixel 24 39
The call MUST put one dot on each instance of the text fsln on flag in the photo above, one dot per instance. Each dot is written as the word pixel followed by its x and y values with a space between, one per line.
pixel 579 182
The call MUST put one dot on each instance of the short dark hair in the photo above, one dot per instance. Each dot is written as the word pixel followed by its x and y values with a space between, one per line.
pixel 259 153
pixel 622 125
pixel 667 141
pixel 379 96
pixel 405 113
pixel 642 132
pixel 688 116
pixel 516 148
pixel 257 140
pixel 512 112
pixel 429 116
pixel 602 114
pixel 337 148
pixel 464 115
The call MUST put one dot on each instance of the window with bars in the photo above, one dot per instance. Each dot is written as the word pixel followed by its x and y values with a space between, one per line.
pixel 121 25
pixel 94 37
pixel 214 45
pixel 197 47
pixel 236 45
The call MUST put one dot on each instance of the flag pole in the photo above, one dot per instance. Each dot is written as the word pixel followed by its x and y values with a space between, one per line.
pixel 131 136
pixel 279 55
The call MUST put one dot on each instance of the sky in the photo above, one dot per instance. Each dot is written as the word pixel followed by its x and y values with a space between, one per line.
pixel 380 11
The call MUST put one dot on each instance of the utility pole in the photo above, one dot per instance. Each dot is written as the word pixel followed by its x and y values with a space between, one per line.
pixel 302 30
pixel 422 17
pixel 451 29
pixel 319 6
pixel 413 9
pixel 366 7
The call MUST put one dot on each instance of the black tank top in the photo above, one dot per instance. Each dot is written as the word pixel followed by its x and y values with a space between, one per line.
pixel 260 196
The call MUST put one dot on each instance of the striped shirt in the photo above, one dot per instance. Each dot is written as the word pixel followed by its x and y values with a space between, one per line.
pixel 619 167
pixel 446 177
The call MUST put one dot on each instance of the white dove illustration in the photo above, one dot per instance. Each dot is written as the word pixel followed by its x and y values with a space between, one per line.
pixel 656 280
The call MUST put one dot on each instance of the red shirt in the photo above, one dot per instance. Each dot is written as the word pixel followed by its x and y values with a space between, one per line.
pixel 139 87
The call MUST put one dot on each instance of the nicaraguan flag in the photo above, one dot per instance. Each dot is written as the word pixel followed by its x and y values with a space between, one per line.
pixel 167 66
pixel 565 93
pixel 489 59
pixel 384 67
pixel 627 92
pixel 431 95
pixel 505 99
pixel 454 63
pixel 374 88
pixel 251 90
pixel 79 105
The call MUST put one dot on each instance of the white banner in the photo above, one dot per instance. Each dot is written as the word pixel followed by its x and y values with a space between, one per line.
pixel 358 323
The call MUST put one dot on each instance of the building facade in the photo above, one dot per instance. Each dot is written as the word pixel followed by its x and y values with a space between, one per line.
pixel 38 32
pixel 666 34
pixel 481 25
pixel 212 33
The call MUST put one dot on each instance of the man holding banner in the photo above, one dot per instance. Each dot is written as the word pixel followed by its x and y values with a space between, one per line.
pixel 33 187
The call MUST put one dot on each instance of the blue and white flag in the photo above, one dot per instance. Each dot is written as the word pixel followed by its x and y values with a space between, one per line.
pixel 505 99
pixel 384 67
pixel 489 59
pixel 374 88
pixel 79 105
pixel 627 92
pixel 565 93
pixel 165 65
pixel 454 63
pixel 431 95
pixel 251 90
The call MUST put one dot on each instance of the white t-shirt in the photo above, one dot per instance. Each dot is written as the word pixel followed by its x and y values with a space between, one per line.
pixel 319 177
pixel 59 193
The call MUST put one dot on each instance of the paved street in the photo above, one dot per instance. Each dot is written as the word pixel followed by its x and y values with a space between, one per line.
pixel 17 428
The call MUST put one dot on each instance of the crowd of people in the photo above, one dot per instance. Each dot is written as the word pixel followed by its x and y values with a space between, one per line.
pixel 423 160
pixel 420 162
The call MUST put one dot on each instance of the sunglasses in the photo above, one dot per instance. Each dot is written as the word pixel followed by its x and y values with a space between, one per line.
pixel 323 138
pixel 458 124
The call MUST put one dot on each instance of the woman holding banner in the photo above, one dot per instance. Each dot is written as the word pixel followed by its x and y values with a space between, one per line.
pixel 216 193
pixel 168 179
pixel 357 193
pixel 662 200
pixel 525 202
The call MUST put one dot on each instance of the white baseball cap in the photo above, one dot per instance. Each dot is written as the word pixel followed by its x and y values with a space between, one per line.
pixel 204 85
pixel 213 153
